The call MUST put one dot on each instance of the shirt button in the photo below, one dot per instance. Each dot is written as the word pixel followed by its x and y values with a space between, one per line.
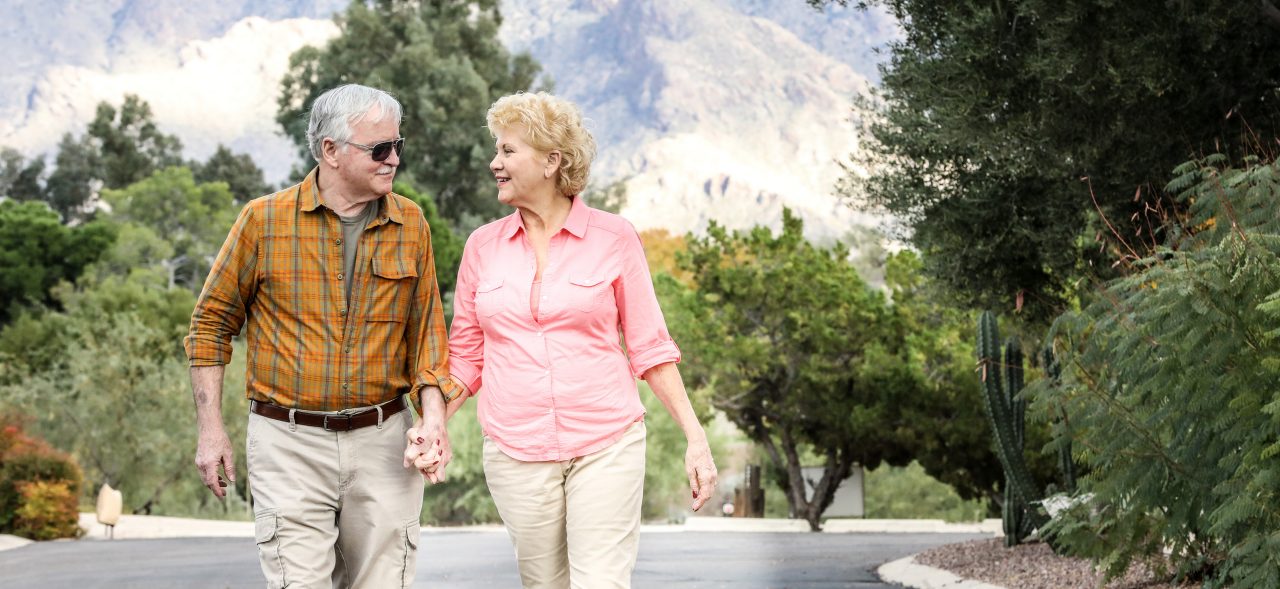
pixel 342 312
pixel 546 373
pixel 346 386
pixel 348 349
pixel 539 334
pixel 339 276
pixel 337 241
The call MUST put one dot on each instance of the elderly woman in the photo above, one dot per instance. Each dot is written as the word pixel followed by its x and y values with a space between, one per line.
pixel 541 298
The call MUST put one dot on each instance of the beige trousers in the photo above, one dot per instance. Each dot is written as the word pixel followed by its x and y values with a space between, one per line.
pixel 334 509
pixel 574 523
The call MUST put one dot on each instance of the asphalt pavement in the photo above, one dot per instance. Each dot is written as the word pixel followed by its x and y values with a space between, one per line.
pixel 483 560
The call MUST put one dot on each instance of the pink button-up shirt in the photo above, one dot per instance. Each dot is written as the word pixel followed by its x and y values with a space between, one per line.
pixel 559 385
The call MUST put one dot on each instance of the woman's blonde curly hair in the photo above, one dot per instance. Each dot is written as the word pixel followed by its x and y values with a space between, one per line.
pixel 550 124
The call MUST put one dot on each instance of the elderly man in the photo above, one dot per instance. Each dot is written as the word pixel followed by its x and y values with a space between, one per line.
pixel 334 281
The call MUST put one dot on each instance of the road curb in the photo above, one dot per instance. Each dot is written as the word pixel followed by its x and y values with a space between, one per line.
pixel 8 542
pixel 909 573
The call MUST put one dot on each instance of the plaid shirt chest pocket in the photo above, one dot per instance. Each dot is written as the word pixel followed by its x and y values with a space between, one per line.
pixel 393 278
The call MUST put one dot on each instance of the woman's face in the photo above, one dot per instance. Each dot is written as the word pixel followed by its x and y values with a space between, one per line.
pixel 523 173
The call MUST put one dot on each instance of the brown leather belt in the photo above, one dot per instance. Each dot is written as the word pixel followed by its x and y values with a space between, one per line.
pixel 334 422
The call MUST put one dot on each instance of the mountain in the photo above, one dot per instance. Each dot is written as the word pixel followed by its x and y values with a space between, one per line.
pixel 710 109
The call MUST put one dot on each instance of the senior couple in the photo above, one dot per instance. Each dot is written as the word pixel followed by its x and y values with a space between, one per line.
pixel 333 283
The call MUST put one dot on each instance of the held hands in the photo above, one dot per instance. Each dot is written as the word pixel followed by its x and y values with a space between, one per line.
pixel 701 470
pixel 428 450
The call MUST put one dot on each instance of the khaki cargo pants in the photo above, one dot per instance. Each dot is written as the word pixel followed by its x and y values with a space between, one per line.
pixel 334 509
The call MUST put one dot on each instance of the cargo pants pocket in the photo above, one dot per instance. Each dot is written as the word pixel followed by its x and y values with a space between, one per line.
pixel 412 533
pixel 266 528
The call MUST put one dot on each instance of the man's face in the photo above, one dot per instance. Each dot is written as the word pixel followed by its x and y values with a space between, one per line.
pixel 365 179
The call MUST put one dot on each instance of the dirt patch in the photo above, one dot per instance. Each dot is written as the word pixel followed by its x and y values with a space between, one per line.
pixel 1033 566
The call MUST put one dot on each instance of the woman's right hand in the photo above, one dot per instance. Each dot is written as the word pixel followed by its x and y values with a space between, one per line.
pixel 701 470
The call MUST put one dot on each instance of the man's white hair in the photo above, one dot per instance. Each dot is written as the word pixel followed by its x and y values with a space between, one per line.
pixel 335 111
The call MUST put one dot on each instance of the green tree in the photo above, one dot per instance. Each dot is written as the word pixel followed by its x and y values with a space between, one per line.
pixel 1006 126
pixel 799 354
pixel 445 244
pixel 132 147
pixel 75 178
pixel 184 221
pixel 21 179
pixel 119 147
pixel 37 252
pixel 243 177
pixel 442 59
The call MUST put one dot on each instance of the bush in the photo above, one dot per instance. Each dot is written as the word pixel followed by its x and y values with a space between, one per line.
pixel 24 462
pixel 1169 387
pixel 908 492
pixel 48 511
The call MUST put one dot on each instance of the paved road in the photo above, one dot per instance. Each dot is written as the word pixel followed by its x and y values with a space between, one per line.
pixel 482 560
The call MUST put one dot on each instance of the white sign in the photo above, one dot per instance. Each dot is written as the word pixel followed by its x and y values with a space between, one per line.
pixel 848 500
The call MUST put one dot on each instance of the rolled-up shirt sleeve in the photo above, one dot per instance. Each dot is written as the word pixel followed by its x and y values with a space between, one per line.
pixel 428 342
pixel 220 311
pixel 466 339
pixel 644 329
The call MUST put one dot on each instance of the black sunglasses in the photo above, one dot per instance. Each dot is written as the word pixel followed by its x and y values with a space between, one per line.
pixel 381 151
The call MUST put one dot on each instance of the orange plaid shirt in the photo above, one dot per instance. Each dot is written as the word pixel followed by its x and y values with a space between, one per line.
pixel 280 275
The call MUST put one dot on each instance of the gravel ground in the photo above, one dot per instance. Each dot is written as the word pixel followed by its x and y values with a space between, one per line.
pixel 1031 566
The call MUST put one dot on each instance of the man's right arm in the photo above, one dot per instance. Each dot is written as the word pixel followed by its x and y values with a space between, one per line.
pixel 213 447
pixel 219 314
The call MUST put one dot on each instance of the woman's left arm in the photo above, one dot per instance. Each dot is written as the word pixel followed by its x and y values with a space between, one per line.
pixel 653 356
pixel 665 381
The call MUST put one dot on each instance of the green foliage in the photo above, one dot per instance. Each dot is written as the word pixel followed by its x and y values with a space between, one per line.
pixel 1167 377
pixel 19 179
pixel 242 176
pixel 801 354
pixel 118 400
pixel 174 226
pixel 130 144
pixel 48 511
pixel 999 120
pixel 444 62
pixel 110 386
pixel 37 252
pixel 120 147
pixel 445 244
pixel 75 178
pixel 908 492
pixel 464 497
pixel 953 438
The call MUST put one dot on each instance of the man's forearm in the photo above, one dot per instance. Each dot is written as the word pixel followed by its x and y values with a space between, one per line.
pixel 206 389
pixel 432 402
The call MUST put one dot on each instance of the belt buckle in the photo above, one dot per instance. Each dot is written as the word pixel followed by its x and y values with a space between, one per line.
pixel 345 416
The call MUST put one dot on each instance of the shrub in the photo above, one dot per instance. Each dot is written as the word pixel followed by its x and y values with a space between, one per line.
pixel 26 460
pixel 1169 378
pixel 48 511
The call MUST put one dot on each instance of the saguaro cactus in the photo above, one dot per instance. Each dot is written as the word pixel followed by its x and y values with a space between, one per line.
pixel 1002 379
